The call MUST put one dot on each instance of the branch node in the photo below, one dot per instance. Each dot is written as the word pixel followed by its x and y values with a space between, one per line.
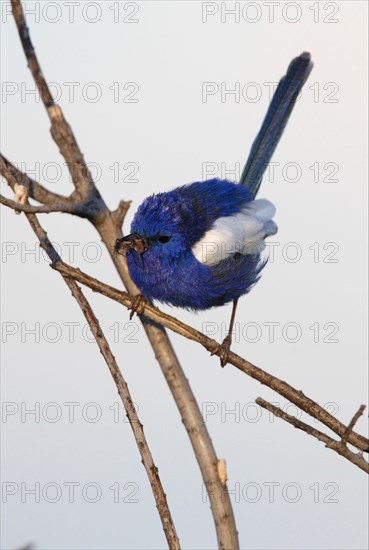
pixel 337 446
pixel 55 112
pixel 120 213
pixel 350 427
pixel 222 471
pixel 21 193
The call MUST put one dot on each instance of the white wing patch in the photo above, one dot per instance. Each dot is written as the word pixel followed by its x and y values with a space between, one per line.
pixel 243 232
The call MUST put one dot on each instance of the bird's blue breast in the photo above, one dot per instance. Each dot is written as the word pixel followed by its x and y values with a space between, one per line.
pixel 190 284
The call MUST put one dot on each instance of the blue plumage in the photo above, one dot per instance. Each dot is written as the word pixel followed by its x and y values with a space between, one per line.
pixel 275 121
pixel 168 272
pixel 199 245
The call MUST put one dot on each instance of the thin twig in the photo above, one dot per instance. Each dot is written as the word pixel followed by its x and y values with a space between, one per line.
pixel 36 190
pixel 137 428
pixel 60 129
pixel 120 213
pixel 294 396
pixel 352 423
pixel 355 458
pixel 44 209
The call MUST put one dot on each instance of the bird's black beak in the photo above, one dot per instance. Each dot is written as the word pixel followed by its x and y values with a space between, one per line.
pixel 134 241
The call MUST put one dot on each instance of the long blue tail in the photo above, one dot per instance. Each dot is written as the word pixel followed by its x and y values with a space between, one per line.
pixel 275 121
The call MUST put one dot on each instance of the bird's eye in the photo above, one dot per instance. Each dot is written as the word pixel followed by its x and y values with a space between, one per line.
pixel 164 239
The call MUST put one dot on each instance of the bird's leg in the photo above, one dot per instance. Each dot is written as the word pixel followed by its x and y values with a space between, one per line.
pixel 225 346
pixel 137 305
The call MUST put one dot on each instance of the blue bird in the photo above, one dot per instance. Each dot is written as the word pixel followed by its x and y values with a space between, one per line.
pixel 199 245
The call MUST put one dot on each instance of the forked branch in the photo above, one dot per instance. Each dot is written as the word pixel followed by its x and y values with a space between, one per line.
pixel 123 391
pixel 339 447
pixel 108 224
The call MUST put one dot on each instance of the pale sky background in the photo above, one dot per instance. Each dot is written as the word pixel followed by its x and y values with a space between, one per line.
pixel 139 115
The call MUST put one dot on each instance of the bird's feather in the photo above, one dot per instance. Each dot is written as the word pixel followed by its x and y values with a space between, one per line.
pixel 242 233
pixel 275 121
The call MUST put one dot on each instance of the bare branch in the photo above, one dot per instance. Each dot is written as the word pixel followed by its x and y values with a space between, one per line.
pixel 109 229
pixel 174 375
pixel 123 391
pixel 44 209
pixel 355 458
pixel 178 384
pixel 36 190
pixel 91 209
pixel 137 428
pixel 60 129
pixel 108 225
pixel 294 396
pixel 185 400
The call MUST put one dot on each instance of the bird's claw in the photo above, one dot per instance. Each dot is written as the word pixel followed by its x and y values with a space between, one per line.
pixel 137 305
pixel 223 350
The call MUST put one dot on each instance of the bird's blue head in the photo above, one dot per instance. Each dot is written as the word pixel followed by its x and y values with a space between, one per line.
pixel 164 224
